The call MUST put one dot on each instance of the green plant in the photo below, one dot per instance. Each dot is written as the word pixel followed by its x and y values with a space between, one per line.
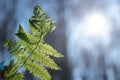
pixel 31 52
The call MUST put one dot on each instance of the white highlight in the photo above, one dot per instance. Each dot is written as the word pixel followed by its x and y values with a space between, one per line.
pixel 97 24
pixel 97 27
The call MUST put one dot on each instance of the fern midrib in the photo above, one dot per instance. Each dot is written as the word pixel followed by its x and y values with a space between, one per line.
pixel 26 60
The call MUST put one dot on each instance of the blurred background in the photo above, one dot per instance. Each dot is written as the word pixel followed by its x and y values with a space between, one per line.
pixel 87 34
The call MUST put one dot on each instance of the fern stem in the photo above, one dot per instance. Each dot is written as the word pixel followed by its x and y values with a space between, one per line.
pixel 25 60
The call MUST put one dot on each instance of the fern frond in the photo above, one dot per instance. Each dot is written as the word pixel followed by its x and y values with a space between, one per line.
pixel 49 50
pixel 17 51
pixel 18 76
pixel 38 70
pixel 45 60
pixel 10 70
pixel 31 52
pixel 21 34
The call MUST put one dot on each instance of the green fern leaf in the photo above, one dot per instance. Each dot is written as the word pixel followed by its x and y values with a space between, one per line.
pixel 10 70
pixel 47 49
pixel 31 52
pixel 38 70
pixel 45 60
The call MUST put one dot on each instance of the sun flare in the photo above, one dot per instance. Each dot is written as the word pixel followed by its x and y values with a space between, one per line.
pixel 97 24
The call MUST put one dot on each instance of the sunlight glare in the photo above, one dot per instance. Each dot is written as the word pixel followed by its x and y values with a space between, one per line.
pixel 97 24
